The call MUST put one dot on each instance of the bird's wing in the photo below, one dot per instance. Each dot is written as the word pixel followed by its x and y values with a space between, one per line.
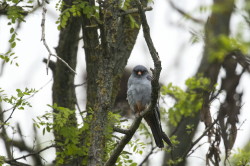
pixel 149 77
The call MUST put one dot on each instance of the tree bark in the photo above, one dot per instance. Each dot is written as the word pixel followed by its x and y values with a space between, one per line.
pixel 105 60
pixel 63 90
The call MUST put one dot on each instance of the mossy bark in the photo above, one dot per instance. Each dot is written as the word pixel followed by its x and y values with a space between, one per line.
pixel 105 60
pixel 63 90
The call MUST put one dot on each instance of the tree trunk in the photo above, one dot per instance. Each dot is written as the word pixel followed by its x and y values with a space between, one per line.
pixel 217 24
pixel 63 86
pixel 105 60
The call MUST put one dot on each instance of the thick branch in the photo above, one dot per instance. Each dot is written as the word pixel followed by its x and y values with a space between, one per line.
pixel 242 59
pixel 124 141
pixel 154 55
pixel 155 84
pixel 119 130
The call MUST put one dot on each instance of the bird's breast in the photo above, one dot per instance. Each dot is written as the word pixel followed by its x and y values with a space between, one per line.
pixel 141 93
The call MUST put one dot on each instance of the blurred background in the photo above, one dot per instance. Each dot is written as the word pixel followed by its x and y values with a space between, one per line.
pixel 178 40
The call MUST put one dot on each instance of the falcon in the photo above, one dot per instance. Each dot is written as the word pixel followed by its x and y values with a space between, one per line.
pixel 139 98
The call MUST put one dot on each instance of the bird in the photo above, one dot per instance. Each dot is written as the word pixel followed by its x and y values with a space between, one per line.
pixel 139 98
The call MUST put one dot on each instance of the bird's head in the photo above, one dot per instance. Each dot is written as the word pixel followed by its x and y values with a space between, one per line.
pixel 140 71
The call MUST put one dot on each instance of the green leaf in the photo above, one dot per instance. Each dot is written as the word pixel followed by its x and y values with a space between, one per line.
pixel 11 30
pixel 13 44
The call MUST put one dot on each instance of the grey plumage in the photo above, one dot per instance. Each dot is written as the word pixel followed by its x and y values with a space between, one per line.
pixel 139 97
pixel 139 87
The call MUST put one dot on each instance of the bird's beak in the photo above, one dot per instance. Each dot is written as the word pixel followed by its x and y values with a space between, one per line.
pixel 139 73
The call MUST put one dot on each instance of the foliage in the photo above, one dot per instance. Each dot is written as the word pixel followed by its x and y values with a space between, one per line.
pixel 187 102
pixel 126 157
pixel 125 6
pixel 133 147
pixel 196 36
pixel 113 120
pixel 224 45
pixel 17 101
pixel 175 162
pixel 77 9
pixel 15 13
pixel 2 160
pixel 70 134
pixel 133 23
pixel 242 157
pixel 8 57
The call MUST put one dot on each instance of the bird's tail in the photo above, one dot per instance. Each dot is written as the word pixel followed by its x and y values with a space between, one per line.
pixel 154 123
pixel 153 120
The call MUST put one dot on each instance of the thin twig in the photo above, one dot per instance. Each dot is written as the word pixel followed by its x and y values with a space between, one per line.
pixel 185 14
pixel 47 47
pixel 148 155
pixel 25 99
pixel 28 155
pixel 77 85
pixel 14 108
pixel 192 151
pixel 199 138
pixel 134 10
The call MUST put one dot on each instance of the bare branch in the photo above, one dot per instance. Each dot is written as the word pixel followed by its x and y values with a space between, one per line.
pixel 185 14
pixel 135 10
pixel 154 55
pixel 28 155
pixel 47 47
pixel 119 130
pixel 16 163
pixel 199 138
pixel 242 59
pixel 148 155
pixel 78 85
pixel 14 108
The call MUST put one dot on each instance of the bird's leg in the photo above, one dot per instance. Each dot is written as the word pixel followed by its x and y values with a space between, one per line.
pixel 137 114
pixel 138 109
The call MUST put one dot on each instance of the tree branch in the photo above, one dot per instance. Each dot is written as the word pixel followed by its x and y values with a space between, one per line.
pixel 47 47
pixel 124 141
pixel 14 108
pixel 185 14
pixel 199 138
pixel 242 59
pixel 134 10
pixel 155 89
pixel 119 130
pixel 154 55
pixel 148 155
pixel 11 161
